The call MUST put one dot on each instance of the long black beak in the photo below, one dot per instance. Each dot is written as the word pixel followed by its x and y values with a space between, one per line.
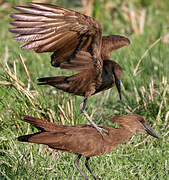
pixel 118 86
pixel 151 131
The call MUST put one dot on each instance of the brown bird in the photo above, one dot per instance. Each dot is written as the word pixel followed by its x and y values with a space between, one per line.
pixel 84 140
pixel 77 43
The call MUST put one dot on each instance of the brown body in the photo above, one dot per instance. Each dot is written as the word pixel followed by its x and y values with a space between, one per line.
pixel 82 84
pixel 84 139
pixel 77 43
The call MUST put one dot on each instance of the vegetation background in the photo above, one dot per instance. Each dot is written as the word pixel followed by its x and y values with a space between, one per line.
pixel 144 85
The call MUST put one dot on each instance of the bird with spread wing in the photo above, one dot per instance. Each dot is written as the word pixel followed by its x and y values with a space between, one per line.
pixel 77 44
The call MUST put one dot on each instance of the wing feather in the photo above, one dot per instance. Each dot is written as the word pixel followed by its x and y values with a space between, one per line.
pixel 112 42
pixel 50 28
pixel 33 37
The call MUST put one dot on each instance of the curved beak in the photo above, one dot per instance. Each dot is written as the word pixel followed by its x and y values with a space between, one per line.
pixel 151 131
pixel 118 86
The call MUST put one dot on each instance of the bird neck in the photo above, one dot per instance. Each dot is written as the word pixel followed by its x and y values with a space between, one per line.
pixel 107 73
pixel 121 135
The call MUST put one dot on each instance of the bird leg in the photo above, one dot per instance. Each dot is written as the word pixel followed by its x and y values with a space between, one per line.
pixel 82 108
pixel 88 167
pixel 77 166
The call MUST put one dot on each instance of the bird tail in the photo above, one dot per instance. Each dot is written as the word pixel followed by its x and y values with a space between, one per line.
pixel 46 130
pixel 60 82
pixel 26 138
pixel 51 80
pixel 40 124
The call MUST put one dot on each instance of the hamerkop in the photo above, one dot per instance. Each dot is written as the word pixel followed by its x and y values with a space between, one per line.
pixel 84 139
pixel 77 43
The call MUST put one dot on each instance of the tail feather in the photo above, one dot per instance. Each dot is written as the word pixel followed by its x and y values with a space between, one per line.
pixel 60 82
pixel 47 131
pixel 26 138
pixel 52 80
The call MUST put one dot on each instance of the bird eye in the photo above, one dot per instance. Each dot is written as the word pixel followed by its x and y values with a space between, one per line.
pixel 141 120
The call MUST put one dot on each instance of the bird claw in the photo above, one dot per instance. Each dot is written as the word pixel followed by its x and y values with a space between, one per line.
pixel 101 130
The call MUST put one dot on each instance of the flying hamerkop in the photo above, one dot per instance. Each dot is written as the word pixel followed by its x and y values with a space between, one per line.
pixel 77 44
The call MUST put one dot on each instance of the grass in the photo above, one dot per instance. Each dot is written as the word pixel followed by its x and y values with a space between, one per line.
pixel 145 91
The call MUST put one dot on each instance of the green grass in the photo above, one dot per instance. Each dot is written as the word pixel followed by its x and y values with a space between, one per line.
pixel 147 93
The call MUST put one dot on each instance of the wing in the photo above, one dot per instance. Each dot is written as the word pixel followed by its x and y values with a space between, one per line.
pixel 44 125
pixel 81 141
pixel 110 43
pixel 74 38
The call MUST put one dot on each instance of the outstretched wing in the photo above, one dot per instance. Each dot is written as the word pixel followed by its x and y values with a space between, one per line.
pixel 112 42
pixel 74 38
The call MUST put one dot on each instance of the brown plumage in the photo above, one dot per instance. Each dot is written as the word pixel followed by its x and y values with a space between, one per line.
pixel 77 43
pixel 84 140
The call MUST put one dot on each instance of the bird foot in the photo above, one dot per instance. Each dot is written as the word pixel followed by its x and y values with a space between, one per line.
pixel 101 130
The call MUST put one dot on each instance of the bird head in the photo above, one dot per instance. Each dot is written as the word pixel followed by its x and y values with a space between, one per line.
pixel 135 123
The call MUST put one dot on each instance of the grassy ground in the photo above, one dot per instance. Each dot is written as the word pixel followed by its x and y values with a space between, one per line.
pixel 145 91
